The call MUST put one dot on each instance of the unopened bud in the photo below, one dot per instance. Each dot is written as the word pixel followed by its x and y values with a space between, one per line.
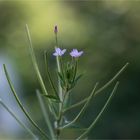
pixel 55 29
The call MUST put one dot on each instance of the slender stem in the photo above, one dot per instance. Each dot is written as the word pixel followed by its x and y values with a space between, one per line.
pixel 100 113
pixel 59 82
pixel 18 120
pixel 59 69
pixel 21 106
pixel 99 90
pixel 60 117
pixel 45 114
pixel 56 39
pixel 83 109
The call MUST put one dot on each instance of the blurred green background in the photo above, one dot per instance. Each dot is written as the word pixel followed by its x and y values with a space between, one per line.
pixel 107 30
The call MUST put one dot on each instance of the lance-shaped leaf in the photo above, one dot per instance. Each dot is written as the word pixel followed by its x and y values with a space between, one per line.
pixel 100 113
pixel 52 97
pixel 78 77
pixel 18 120
pixel 83 109
pixel 75 69
pixel 34 61
pixel 99 90
pixel 21 106
pixel 45 114
pixel 49 75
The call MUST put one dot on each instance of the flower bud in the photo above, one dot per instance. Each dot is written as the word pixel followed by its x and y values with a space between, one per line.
pixel 55 29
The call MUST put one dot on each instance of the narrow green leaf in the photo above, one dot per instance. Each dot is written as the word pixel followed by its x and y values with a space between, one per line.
pixel 78 77
pixel 75 69
pixel 45 114
pixel 52 97
pixel 61 77
pixel 18 120
pixel 100 113
pixel 34 61
pixel 49 75
pixel 21 106
pixel 83 109
pixel 99 90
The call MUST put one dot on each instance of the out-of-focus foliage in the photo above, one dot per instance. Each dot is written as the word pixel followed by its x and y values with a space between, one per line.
pixel 108 31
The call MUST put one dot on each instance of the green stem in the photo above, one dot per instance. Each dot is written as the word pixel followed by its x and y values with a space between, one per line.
pixel 59 120
pixel 21 106
pixel 100 113
pixel 56 39
pixel 18 120
pixel 59 82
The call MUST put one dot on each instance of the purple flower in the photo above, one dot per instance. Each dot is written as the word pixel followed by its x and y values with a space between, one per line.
pixel 55 29
pixel 59 52
pixel 75 53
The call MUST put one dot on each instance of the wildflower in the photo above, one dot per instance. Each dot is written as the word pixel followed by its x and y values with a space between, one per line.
pixel 55 29
pixel 59 52
pixel 75 53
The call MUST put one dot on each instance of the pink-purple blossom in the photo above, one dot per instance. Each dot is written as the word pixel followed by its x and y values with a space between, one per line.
pixel 59 52
pixel 75 53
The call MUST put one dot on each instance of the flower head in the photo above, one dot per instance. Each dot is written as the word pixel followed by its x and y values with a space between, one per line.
pixel 55 29
pixel 75 53
pixel 59 52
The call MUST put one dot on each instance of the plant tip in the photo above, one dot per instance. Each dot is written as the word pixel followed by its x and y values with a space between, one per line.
pixel 55 29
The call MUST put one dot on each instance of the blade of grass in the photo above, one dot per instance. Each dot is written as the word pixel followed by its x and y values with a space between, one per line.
pixel 18 120
pixel 100 113
pixel 20 104
pixel 99 90
pixel 34 61
pixel 83 109
pixel 45 114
